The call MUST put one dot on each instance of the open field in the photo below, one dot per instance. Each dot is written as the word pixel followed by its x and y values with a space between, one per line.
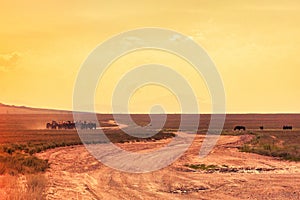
pixel 16 128
pixel 21 136
pixel 285 145
pixel 70 171
pixel 75 173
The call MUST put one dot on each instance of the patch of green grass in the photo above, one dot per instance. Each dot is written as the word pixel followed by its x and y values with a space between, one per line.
pixel 231 132
pixel 202 166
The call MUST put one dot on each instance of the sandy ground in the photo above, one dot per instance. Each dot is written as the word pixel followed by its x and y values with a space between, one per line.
pixel 75 174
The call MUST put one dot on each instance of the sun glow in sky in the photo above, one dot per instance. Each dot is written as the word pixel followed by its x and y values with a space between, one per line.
pixel 254 44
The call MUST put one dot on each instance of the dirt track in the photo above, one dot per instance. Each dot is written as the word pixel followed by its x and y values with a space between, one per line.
pixel 75 174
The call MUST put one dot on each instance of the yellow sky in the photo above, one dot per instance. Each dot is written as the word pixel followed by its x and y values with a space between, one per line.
pixel 255 47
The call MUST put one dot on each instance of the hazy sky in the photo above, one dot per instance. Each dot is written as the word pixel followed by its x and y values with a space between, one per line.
pixel 255 46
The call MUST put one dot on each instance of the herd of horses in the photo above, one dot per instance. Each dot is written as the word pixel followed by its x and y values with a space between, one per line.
pixel 71 125
pixel 91 125
pixel 243 128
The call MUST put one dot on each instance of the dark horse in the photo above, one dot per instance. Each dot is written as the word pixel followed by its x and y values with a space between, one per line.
pixel 239 128
pixel 52 125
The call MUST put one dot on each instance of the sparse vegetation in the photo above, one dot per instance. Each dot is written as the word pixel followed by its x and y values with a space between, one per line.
pixel 118 136
pixel 276 143
pixel 19 158
pixel 35 186
pixel 19 145
pixel 21 163
pixel 202 166
pixel 26 187
pixel 226 168
pixel 231 132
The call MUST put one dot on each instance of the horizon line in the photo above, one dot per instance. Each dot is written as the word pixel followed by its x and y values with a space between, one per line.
pixel 143 113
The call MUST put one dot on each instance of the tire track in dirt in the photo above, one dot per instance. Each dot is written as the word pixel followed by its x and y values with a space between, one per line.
pixel 75 174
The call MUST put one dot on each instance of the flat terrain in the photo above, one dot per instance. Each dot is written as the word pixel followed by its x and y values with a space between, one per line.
pixel 20 128
pixel 75 173
pixel 225 173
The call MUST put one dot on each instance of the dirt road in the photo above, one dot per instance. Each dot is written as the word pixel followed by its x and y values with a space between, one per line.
pixel 75 174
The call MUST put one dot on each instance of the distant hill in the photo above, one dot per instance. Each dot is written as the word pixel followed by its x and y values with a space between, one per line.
pixel 11 109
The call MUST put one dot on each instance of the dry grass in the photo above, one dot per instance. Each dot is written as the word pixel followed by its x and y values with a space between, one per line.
pixel 19 163
pixel 2 168
pixel 26 187
pixel 18 158
pixel 282 144
pixel 21 136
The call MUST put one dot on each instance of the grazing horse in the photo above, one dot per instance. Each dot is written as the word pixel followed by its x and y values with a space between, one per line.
pixel 287 127
pixel 239 128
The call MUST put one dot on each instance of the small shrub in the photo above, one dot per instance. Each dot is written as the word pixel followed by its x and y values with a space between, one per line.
pixel 36 185
pixel 33 187
pixel 32 151
pixel 245 148
pixel 267 147
pixel 9 150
